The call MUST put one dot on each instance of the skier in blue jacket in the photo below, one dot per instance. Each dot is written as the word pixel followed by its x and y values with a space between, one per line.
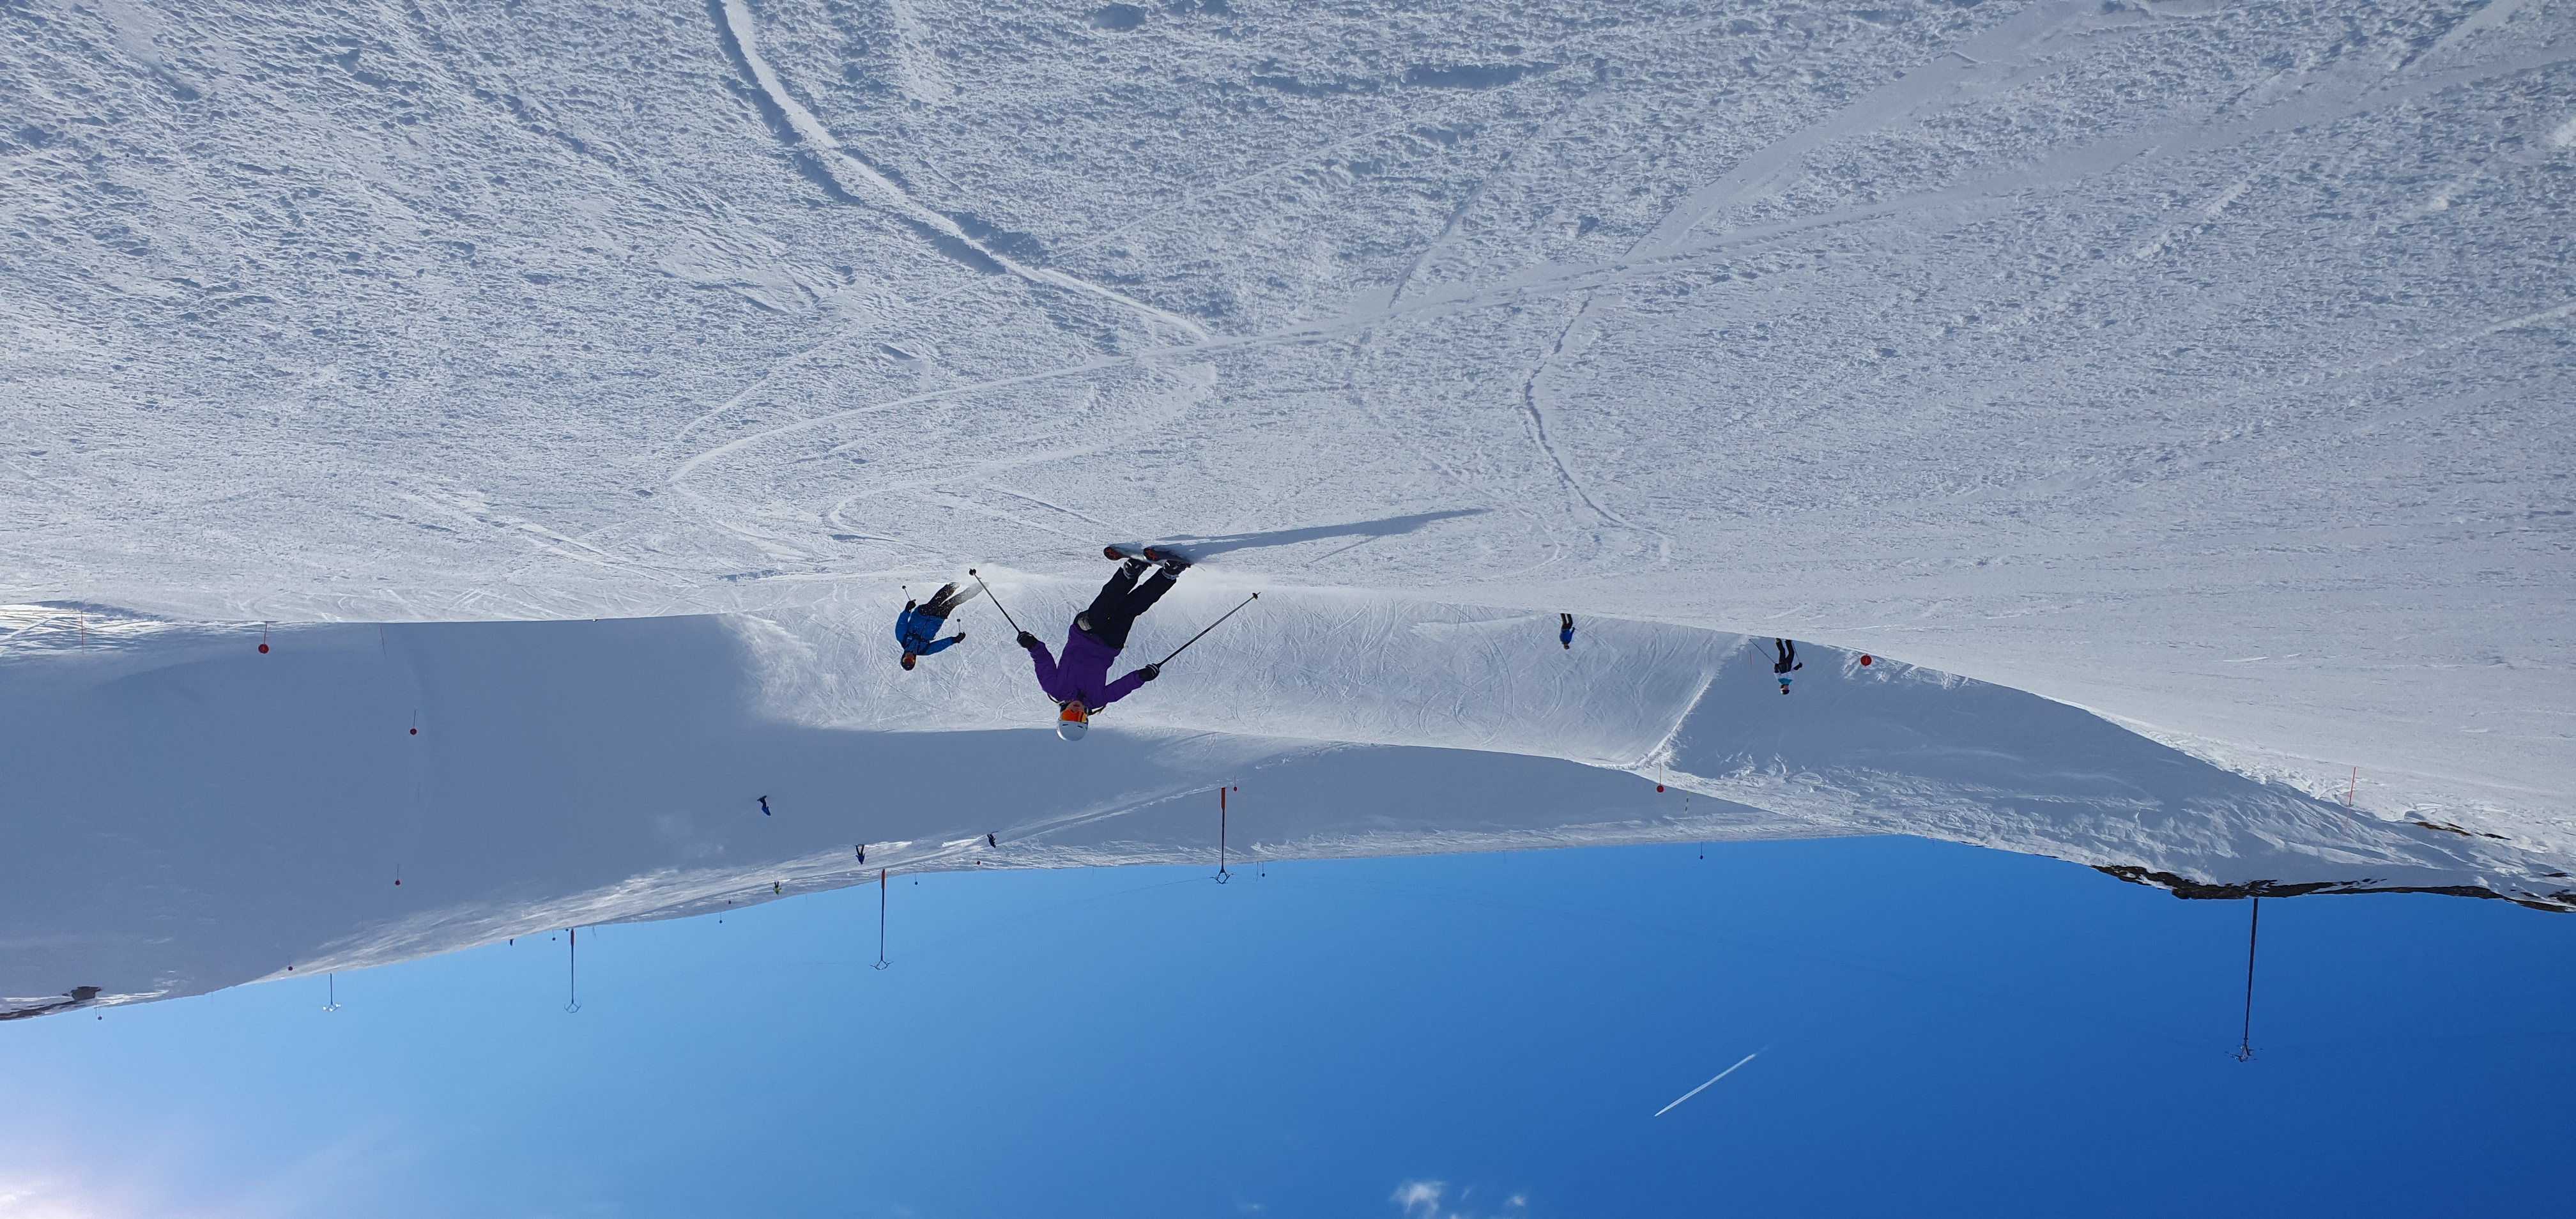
pixel 1080 683
pixel 917 629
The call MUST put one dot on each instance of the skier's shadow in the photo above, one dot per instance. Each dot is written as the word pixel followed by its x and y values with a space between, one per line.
pixel 1365 531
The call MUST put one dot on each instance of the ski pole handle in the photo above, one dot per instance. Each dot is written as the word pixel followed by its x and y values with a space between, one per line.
pixel 997 601
pixel 1202 634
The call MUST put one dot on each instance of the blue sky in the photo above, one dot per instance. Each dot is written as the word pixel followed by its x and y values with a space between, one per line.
pixel 1941 1029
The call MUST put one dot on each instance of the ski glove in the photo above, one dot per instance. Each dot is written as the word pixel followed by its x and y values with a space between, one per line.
pixel 1028 641
pixel 1150 672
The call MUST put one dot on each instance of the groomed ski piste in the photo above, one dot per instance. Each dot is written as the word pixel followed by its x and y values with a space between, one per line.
pixel 517 777
pixel 2167 397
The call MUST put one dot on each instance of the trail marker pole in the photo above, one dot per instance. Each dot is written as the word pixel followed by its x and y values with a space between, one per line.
pixel 2245 1043
pixel 572 970
pixel 1221 877
pixel 882 962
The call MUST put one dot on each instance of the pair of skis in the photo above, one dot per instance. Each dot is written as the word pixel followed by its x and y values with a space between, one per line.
pixel 1116 553
pixel 1150 554
pixel 1157 554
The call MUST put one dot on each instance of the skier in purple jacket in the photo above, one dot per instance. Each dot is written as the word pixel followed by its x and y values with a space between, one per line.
pixel 1080 683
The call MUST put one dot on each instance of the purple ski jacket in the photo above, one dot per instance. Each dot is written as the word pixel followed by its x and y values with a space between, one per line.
pixel 1084 673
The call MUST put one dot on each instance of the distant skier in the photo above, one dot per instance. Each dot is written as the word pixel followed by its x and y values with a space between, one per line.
pixel 918 629
pixel 1080 684
pixel 1565 631
pixel 1787 663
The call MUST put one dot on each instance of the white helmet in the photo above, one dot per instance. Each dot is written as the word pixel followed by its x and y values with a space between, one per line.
pixel 1072 721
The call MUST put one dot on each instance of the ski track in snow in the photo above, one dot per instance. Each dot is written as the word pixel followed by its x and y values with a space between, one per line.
pixel 876 188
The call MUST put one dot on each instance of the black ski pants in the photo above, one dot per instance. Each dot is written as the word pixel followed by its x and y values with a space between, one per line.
pixel 1120 601
pixel 1788 656
pixel 947 599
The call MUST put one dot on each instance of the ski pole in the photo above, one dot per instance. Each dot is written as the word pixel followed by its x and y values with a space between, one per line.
pixel 997 601
pixel 1202 634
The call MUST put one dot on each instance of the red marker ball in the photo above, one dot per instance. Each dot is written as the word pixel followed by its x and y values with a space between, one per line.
pixel 263 649
pixel 1659 787
pixel 1864 662
pixel 416 731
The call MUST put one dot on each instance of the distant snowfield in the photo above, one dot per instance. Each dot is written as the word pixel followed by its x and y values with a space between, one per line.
pixel 2204 366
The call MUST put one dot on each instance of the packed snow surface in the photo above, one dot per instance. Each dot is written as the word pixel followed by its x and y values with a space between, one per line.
pixel 364 794
pixel 2201 365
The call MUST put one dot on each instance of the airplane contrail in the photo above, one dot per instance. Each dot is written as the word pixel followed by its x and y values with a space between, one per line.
pixel 1711 1079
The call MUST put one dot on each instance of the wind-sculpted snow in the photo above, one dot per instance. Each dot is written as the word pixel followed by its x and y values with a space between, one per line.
pixel 523 776
pixel 2201 366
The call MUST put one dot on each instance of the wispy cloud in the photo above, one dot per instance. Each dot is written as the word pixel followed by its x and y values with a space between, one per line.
pixel 1420 1198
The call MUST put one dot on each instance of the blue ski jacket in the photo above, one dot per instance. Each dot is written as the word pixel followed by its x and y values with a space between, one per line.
pixel 919 632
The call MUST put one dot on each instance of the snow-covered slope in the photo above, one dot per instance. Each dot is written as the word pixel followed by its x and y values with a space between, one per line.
pixel 2203 365
pixel 188 813
pixel 1888 747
